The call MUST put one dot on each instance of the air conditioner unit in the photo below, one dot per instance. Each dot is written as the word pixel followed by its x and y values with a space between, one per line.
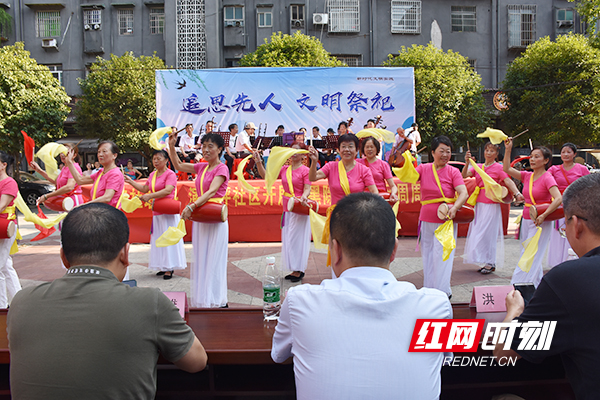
pixel 86 27
pixel 320 19
pixel 229 23
pixel 297 23
pixel 49 43
pixel 239 23
pixel 565 23
pixel 96 26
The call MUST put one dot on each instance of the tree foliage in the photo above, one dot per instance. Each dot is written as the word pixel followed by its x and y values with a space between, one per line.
pixel 448 93
pixel 590 10
pixel 553 89
pixel 119 101
pixel 31 99
pixel 295 50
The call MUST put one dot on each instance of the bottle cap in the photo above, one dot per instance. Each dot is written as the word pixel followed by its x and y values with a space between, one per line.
pixel 270 260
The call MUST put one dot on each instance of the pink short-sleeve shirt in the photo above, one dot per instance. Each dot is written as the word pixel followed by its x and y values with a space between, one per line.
pixel 541 189
pixel 9 186
pixel 299 179
pixel 168 178
pixel 220 169
pixel 113 179
pixel 564 178
pixel 359 177
pixel 381 172
pixel 495 172
pixel 450 178
pixel 65 175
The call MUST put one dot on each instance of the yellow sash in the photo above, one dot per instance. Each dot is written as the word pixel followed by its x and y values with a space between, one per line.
pixel 343 178
pixel 530 245
pixel 442 199
pixel 10 210
pixel 473 197
pixel 153 184
pixel 212 199
pixel 96 184
pixel 288 176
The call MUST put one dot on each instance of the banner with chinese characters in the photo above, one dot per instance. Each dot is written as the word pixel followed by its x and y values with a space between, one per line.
pixel 292 97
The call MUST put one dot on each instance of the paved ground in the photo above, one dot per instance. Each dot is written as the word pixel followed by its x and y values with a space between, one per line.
pixel 39 261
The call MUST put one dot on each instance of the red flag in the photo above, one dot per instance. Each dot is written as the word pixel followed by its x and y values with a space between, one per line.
pixel 44 232
pixel 29 145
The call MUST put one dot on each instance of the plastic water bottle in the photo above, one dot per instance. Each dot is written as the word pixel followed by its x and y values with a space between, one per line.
pixel 271 291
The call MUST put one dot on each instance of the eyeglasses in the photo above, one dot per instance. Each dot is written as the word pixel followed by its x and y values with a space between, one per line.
pixel 562 231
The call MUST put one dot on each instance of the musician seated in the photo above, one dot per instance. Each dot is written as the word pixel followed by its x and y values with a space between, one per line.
pixel 87 335
pixel 186 149
pixel 349 336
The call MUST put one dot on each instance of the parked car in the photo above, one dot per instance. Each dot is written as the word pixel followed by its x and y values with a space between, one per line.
pixel 31 187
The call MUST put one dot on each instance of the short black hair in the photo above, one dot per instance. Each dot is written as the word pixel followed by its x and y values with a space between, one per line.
pixel 546 153
pixel 186 125
pixel 364 225
pixel 343 123
pixel 93 234
pixel 163 153
pixel 231 127
pixel 370 120
pixel 436 141
pixel 347 137
pixel 571 146
pixel 316 127
pixel 578 200
pixel 375 142
pixel 8 160
pixel 216 139
pixel 113 147
pixel 330 130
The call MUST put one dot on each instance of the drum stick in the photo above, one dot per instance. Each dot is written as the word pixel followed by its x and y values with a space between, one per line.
pixel 526 130
pixel 78 143
pixel 468 147
pixel 530 144
pixel 422 148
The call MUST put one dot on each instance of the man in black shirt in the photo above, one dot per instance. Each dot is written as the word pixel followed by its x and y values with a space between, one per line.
pixel 569 295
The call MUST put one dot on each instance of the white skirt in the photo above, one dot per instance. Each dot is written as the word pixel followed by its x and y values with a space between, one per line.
pixel 558 252
pixel 165 258
pixel 536 272
pixel 208 273
pixel 436 273
pixel 485 240
pixel 9 280
pixel 295 241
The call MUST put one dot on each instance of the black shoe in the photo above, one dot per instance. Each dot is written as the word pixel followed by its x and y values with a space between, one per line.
pixel 169 276
pixel 225 306
pixel 160 273
pixel 297 278
pixel 290 276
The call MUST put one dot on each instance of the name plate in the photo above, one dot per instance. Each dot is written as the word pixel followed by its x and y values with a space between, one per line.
pixel 179 300
pixel 490 298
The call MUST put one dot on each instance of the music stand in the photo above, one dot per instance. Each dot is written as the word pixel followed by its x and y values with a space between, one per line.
pixel 262 142
pixel 288 138
pixel 332 141
pixel 226 136
pixel 276 141
pixel 319 144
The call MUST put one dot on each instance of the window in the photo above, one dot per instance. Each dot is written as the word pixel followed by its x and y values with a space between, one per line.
pixel 125 18
pixel 565 18
pixel 56 70
pixel 344 15
pixel 351 60
pixel 191 34
pixel 234 16
pixel 157 21
pixel 521 25
pixel 472 63
pixel 47 24
pixel 92 17
pixel 406 16
pixel 265 19
pixel 297 12
pixel 464 19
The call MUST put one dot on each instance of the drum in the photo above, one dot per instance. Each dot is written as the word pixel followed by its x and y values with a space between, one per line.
pixel 7 228
pixel 507 196
pixel 166 206
pixel 538 209
pixel 295 206
pixel 59 203
pixel 210 212
pixel 463 216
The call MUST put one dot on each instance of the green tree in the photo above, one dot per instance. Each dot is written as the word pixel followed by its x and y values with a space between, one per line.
pixel 295 50
pixel 553 90
pixel 590 10
pixel 5 25
pixel 119 101
pixel 31 99
pixel 448 93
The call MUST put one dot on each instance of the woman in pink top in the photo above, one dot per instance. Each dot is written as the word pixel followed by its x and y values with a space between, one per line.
pixel 436 271
pixel 538 187
pixel 485 240
pixel 161 184
pixel 65 183
pixel 208 273
pixel 564 175
pixel 359 176
pixel 108 182
pixel 381 170
pixel 295 228
pixel 9 280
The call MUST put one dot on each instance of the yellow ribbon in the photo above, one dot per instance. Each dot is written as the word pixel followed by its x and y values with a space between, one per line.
pixel 277 157
pixel 531 248
pixel 129 204
pixel 496 136
pixel 172 235
pixel 493 190
pixel 407 173
pixel 445 234
pixel 379 134
pixel 240 175
pixel 344 183
pixel 442 199
pixel 31 217
pixel 157 134
pixel 317 226
pixel 288 176
pixel 48 154
pixel 396 208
